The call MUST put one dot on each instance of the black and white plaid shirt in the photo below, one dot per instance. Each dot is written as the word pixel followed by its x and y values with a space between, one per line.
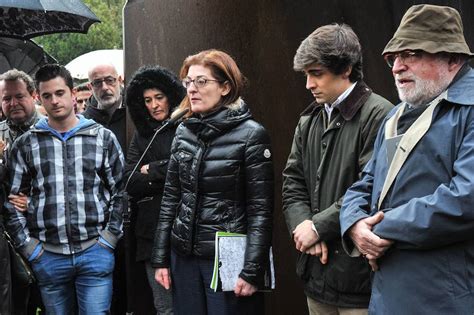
pixel 75 188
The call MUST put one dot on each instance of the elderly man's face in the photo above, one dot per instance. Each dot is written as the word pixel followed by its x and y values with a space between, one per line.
pixel 105 84
pixel 421 79
pixel 17 103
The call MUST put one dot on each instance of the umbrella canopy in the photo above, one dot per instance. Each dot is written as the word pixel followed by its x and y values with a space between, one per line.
pixel 30 18
pixel 80 66
pixel 23 55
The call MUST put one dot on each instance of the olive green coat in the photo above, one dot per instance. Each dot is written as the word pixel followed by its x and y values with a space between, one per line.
pixel 326 158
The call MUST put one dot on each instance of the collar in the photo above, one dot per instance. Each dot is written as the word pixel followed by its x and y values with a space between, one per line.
pixel 354 101
pixel 350 105
pixel 341 97
pixel 24 126
pixel 460 91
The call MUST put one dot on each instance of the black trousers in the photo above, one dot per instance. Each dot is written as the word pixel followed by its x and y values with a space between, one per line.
pixel 5 277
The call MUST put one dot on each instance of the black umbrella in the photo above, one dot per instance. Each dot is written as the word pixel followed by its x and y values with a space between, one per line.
pixel 30 18
pixel 23 55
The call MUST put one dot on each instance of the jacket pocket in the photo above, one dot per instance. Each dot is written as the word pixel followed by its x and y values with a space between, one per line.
pixel 458 275
pixel 185 160
pixel 302 270
pixel 147 217
pixel 347 274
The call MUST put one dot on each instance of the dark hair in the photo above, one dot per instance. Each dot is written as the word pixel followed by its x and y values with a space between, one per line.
pixel 82 87
pixel 154 77
pixel 151 77
pixel 222 67
pixel 14 75
pixel 335 47
pixel 51 71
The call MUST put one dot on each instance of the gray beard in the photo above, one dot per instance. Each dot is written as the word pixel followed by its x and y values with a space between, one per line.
pixel 109 107
pixel 425 90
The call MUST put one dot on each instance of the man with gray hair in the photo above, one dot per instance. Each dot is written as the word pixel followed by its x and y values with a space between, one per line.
pixel 411 215
pixel 332 143
pixel 106 107
pixel 18 105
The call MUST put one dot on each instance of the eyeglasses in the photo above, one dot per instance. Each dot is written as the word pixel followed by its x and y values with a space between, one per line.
pixel 108 80
pixel 406 57
pixel 198 82
pixel 81 100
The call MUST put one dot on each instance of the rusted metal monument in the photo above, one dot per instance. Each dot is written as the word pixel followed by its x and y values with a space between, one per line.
pixel 263 36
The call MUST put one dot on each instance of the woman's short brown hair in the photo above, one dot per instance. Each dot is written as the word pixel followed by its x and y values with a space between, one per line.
pixel 223 68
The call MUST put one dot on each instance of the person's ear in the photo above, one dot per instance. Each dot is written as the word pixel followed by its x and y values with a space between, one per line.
pixel 454 61
pixel 35 95
pixel 346 74
pixel 226 88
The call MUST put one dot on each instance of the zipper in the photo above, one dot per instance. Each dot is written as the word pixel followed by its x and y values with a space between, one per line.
pixel 203 149
pixel 66 203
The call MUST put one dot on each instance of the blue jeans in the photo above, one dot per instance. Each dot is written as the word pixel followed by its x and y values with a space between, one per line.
pixel 83 280
pixel 191 280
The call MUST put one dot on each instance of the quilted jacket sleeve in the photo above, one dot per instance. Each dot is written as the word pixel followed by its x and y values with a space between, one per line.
pixel 259 196
pixel 160 257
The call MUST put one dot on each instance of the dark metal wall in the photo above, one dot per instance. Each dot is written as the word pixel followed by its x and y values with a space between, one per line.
pixel 263 36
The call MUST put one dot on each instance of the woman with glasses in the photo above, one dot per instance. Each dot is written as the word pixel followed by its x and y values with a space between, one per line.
pixel 220 178
pixel 153 93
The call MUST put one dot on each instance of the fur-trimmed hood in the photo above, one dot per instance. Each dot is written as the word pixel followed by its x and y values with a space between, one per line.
pixel 148 77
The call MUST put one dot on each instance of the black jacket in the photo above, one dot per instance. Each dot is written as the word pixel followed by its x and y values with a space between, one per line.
pixel 326 158
pixel 220 178
pixel 116 123
pixel 5 279
pixel 146 190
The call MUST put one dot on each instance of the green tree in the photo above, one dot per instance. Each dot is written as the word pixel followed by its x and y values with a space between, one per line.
pixel 105 35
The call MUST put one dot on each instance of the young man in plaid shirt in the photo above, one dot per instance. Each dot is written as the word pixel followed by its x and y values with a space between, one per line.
pixel 71 168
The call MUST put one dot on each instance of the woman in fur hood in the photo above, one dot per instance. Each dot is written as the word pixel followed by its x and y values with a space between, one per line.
pixel 151 96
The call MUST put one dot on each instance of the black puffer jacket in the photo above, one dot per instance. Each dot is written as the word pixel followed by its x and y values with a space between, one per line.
pixel 146 190
pixel 220 178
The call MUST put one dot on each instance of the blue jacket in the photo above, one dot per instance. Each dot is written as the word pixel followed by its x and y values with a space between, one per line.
pixel 429 213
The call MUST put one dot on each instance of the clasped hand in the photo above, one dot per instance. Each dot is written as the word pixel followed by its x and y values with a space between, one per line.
pixel 369 244
pixel 307 241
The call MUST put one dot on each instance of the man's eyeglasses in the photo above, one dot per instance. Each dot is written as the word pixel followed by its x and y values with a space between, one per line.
pixel 108 80
pixel 198 82
pixel 406 57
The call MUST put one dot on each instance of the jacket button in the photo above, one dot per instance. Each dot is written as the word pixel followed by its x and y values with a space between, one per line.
pixel 324 144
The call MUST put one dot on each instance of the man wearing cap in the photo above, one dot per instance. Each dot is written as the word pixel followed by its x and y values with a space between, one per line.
pixel 411 214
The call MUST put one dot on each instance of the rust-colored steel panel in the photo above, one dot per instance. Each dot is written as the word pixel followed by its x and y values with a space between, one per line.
pixel 263 36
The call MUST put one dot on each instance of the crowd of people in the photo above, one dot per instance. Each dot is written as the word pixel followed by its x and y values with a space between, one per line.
pixel 377 198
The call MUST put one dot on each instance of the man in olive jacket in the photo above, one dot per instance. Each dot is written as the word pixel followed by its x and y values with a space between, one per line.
pixel 332 143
